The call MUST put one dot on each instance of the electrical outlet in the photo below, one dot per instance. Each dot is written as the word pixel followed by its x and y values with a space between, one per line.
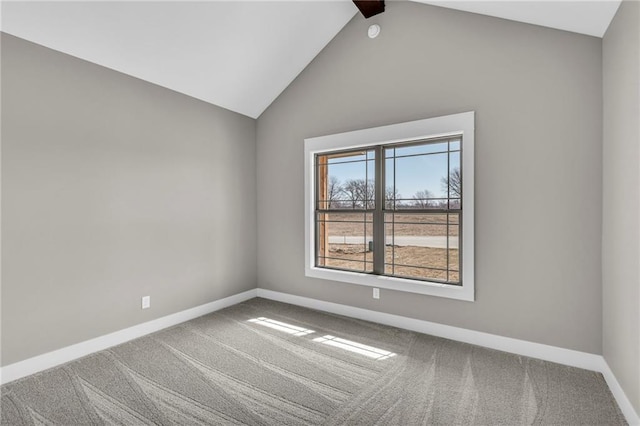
pixel 146 302
pixel 376 293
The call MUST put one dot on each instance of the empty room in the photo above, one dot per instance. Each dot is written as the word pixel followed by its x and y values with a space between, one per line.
pixel 320 212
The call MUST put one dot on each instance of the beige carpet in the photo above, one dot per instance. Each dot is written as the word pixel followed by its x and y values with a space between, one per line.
pixel 268 363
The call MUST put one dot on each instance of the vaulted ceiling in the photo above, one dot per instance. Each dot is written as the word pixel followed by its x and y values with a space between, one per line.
pixel 239 55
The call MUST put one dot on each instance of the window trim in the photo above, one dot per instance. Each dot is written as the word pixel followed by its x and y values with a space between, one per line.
pixel 450 125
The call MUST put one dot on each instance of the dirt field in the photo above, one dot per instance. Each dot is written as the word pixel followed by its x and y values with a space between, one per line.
pixel 353 256
pixel 402 224
pixel 409 261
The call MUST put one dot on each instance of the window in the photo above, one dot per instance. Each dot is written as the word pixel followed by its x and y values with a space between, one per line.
pixel 392 206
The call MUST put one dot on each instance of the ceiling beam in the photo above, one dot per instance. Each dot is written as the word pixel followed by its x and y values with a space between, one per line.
pixel 369 8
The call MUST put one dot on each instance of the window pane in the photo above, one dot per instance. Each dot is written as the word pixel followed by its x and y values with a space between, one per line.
pixel 423 246
pixel 455 177
pixel 418 245
pixel 346 180
pixel 389 152
pixel 427 148
pixel 389 248
pixel 346 157
pixel 420 180
pixel 454 245
pixel 423 176
pixel 369 244
pixel 392 195
pixel 344 240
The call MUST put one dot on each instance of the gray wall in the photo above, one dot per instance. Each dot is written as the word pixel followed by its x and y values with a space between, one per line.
pixel 538 99
pixel 112 189
pixel 621 201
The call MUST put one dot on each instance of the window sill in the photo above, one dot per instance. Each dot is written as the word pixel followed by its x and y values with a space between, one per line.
pixel 393 283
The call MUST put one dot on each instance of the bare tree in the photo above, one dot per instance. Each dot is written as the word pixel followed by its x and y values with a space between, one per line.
pixel 359 193
pixel 454 185
pixel 350 189
pixel 334 192
pixel 421 199
pixel 368 194
pixel 391 195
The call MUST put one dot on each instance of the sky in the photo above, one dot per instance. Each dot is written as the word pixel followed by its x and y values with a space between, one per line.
pixel 412 173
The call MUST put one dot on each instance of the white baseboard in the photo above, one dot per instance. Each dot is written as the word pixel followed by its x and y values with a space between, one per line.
pixel 530 349
pixel 48 360
pixel 521 347
pixel 507 344
pixel 621 398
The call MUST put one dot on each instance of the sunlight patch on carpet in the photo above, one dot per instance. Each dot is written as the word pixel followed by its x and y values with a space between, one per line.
pixel 359 348
pixel 282 326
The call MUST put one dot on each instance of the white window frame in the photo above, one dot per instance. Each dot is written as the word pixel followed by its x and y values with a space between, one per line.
pixel 462 124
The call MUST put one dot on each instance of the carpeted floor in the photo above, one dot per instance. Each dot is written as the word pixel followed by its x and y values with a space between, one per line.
pixel 268 363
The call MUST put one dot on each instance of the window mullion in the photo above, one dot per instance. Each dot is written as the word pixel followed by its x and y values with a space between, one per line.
pixel 378 214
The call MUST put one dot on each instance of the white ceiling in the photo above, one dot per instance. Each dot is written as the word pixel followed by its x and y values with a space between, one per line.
pixel 590 17
pixel 236 54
